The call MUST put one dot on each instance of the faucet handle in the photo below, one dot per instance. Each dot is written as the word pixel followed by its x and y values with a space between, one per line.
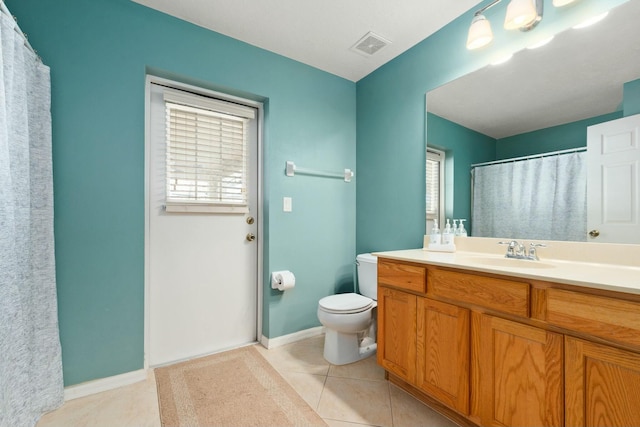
pixel 533 252
pixel 513 246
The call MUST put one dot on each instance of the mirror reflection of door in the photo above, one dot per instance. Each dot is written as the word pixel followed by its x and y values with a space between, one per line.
pixel 613 181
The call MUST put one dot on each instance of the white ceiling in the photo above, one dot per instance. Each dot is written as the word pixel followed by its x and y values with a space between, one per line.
pixel 320 33
pixel 577 75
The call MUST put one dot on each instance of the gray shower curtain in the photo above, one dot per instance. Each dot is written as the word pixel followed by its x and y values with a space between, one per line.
pixel 30 356
pixel 543 198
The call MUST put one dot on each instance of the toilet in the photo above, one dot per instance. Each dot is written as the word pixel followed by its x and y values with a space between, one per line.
pixel 349 319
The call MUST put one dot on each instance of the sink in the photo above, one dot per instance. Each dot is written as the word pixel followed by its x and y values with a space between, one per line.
pixel 508 262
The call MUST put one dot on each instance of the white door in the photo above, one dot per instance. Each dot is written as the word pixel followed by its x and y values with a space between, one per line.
pixel 613 181
pixel 202 267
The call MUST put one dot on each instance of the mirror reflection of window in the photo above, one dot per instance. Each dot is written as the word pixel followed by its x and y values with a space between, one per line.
pixel 435 187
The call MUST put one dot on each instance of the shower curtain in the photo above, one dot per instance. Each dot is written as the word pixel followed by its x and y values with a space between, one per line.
pixel 542 198
pixel 30 356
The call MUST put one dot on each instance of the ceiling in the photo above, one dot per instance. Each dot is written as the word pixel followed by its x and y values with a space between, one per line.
pixel 578 75
pixel 321 33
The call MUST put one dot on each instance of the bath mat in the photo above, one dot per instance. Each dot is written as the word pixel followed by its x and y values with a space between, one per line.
pixel 234 388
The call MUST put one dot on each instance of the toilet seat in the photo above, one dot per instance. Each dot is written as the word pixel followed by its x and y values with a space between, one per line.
pixel 345 303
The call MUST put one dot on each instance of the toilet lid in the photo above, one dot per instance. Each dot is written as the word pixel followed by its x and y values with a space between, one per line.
pixel 345 303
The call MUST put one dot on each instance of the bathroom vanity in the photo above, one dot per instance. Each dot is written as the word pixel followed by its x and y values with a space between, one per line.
pixel 491 342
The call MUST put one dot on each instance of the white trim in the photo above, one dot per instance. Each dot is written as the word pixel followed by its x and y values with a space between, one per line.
pixel 442 156
pixel 291 338
pixel 236 110
pixel 104 384
pixel 260 216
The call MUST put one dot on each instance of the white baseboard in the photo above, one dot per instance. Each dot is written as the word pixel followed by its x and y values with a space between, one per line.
pixel 104 384
pixel 290 338
pixel 110 383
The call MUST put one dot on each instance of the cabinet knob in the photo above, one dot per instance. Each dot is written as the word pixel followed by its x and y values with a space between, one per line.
pixel 594 233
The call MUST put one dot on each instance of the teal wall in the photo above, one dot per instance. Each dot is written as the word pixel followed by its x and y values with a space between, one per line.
pixel 631 102
pixel 561 137
pixel 391 118
pixel 99 53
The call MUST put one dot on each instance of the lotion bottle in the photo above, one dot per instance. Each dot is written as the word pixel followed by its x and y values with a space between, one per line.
pixel 463 231
pixel 447 236
pixel 434 237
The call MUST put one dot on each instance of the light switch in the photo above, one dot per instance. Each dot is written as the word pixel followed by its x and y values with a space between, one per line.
pixel 286 204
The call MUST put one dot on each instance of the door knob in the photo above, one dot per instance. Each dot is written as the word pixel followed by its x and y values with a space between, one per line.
pixel 251 237
pixel 594 233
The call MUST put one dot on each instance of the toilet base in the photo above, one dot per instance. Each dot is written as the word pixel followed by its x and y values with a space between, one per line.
pixel 341 348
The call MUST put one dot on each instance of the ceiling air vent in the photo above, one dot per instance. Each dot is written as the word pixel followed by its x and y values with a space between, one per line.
pixel 369 44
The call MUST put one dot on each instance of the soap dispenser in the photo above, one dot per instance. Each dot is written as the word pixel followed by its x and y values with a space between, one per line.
pixel 454 230
pixel 434 237
pixel 463 231
pixel 447 236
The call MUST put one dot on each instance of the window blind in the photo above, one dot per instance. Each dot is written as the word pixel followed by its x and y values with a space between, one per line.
pixel 206 167
pixel 434 183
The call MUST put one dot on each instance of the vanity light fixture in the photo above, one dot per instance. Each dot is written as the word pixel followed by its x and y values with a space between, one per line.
pixel 521 14
pixel 480 33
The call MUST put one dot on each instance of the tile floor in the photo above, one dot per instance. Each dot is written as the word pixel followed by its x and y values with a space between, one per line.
pixel 353 395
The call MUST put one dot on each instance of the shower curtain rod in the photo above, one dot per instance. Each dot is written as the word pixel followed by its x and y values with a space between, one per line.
pixel 533 156
pixel 16 27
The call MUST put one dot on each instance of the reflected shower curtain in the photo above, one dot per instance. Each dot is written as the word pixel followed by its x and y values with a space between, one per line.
pixel 30 357
pixel 543 198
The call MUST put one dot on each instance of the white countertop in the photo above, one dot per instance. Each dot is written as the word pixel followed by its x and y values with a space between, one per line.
pixel 606 276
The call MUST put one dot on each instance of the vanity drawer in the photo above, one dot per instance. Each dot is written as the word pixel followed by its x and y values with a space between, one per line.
pixel 401 275
pixel 497 294
pixel 609 318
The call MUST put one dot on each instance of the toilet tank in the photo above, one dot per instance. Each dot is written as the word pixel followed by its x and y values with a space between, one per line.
pixel 368 275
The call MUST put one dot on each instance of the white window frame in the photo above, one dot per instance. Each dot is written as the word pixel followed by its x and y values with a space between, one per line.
pixel 435 155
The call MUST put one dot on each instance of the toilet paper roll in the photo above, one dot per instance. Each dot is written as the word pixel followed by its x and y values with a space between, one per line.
pixel 282 280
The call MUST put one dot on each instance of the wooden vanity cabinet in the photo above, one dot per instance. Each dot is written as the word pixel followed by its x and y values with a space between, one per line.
pixel 397 332
pixel 503 351
pixel 602 385
pixel 443 352
pixel 517 373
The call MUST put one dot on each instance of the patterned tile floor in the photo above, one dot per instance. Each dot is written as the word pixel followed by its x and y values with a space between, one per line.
pixel 349 395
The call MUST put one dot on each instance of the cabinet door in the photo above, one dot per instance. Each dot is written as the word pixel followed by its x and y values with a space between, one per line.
pixel 602 385
pixel 397 333
pixel 443 353
pixel 517 374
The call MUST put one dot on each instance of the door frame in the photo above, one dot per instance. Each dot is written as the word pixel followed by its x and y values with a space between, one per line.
pixel 147 211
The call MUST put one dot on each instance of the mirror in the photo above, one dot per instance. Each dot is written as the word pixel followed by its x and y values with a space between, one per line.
pixel 574 81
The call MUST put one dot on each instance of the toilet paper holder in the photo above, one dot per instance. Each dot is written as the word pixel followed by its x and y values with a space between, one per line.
pixel 282 280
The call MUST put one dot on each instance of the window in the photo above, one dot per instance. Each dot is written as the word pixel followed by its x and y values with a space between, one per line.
pixel 206 154
pixel 435 187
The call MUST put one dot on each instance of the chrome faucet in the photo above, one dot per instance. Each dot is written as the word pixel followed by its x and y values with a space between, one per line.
pixel 518 251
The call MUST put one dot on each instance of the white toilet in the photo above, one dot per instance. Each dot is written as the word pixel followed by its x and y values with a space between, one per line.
pixel 349 319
